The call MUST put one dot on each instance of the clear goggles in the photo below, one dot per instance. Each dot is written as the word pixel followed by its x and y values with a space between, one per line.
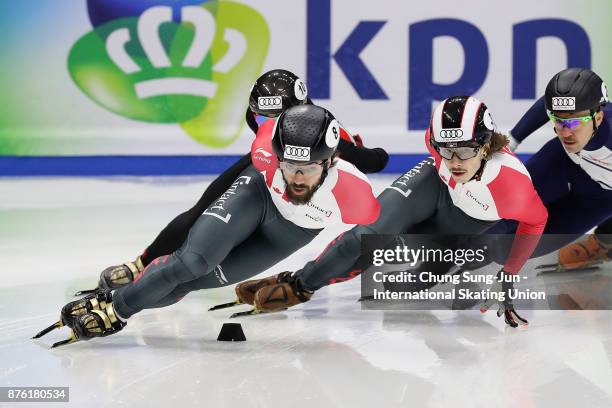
pixel 307 169
pixel 570 123
pixel 463 153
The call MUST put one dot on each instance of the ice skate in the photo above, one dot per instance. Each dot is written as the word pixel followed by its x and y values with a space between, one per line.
pixel 582 255
pixel 116 276
pixel 95 323
pixel 72 310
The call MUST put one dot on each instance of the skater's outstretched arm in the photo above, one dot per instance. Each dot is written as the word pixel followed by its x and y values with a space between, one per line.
pixel 365 159
pixel 531 121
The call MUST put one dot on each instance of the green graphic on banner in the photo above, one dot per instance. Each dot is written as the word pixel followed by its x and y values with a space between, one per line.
pixel 196 73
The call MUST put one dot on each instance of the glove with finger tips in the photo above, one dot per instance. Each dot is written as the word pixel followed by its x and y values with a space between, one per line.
pixel 282 295
pixel 504 287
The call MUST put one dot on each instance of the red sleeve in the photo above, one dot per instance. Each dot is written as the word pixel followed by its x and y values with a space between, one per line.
pixel 516 199
pixel 344 134
pixel 347 136
pixel 262 155
pixel 355 199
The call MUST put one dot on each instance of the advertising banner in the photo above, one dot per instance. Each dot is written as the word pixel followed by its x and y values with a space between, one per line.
pixel 172 77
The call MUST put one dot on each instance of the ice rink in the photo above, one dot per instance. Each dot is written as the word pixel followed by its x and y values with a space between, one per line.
pixel 57 234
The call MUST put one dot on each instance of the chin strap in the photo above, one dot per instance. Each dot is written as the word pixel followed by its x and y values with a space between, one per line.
pixel 480 170
pixel 324 173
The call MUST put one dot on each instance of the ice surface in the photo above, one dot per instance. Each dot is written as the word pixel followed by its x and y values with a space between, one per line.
pixel 56 235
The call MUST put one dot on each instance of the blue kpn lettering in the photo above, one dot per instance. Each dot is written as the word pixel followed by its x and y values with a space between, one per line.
pixel 422 90
pixel 318 66
pixel 525 36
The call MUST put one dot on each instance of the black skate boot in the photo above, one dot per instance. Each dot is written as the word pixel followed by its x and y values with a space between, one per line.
pixel 96 323
pixel 72 310
pixel 116 276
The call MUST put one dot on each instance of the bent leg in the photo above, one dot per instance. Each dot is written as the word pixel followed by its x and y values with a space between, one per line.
pixel 271 243
pixel 234 217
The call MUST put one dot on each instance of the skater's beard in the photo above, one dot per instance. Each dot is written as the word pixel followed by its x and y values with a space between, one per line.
pixel 303 198
pixel 300 199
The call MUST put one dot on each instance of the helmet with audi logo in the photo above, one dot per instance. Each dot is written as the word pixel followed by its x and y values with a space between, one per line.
pixel 575 90
pixel 275 91
pixel 461 121
pixel 305 133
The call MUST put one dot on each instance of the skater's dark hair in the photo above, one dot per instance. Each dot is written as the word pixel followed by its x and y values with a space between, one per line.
pixel 498 141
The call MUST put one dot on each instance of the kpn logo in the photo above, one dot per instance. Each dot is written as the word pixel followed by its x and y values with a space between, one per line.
pixel 171 61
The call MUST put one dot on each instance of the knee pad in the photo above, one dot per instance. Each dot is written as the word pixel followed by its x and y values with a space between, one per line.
pixel 194 265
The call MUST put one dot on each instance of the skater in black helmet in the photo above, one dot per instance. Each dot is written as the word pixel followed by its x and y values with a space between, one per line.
pixel 272 93
pixel 472 182
pixel 573 172
pixel 295 187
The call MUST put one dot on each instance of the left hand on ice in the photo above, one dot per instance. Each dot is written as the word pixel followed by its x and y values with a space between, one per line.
pixel 505 306
pixel 285 293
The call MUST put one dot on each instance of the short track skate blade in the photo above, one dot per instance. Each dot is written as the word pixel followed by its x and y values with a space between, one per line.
pixel 226 305
pixel 251 312
pixel 72 339
pixel 54 326
pixel 85 292
pixel 548 266
pixel 559 269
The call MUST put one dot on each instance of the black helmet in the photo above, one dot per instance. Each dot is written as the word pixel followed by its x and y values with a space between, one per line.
pixel 574 90
pixel 461 121
pixel 276 91
pixel 305 133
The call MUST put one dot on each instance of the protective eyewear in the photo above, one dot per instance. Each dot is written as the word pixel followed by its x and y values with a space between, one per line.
pixel 570 123
pixel 307 169
pixel 463 153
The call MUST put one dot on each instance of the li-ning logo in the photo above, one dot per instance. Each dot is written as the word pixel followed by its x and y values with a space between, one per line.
pixel 220 275
pixel 260 151
pixel 263 152
pixel 270 102
pixel 190 71
pixel 563 103
pixel 456 133
pixel 297 153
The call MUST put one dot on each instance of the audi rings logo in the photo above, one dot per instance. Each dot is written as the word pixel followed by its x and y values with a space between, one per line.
pixel 270 102
pixel 563 103
pixel 454 134
pixel 298 153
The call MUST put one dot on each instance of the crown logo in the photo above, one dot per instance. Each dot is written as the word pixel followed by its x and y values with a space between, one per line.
pixel 148 29
pixel 194 73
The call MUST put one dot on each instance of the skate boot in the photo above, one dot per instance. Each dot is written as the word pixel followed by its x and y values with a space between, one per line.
pixel 245 291
pixel 72 310
pixel 117 276
pixel 583 254
pixel 95 323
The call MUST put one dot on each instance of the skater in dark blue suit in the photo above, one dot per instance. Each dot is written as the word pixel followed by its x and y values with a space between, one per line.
pixel 573 172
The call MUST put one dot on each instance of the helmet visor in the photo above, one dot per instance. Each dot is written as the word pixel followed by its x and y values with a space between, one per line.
pixel 570 123
pixel 307 169
pixel 463 153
